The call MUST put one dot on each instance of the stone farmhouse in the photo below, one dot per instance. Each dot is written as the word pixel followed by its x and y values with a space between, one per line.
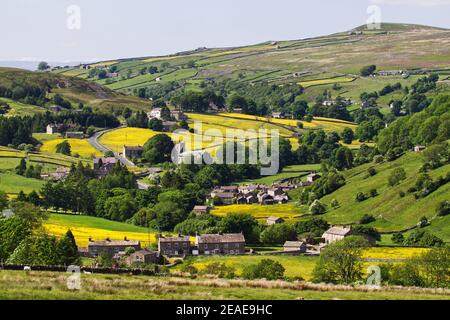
pixel 111 247
pixel 250 194
pixel 132 152
pixel 274 220
pixel 336 233
pixel 201 210
pixel 174 246
pixel 176 114
pixel 74 135
pixel 210 244
pixel 144 256
pixel 60 174
pixel 104 165
pixel 294 246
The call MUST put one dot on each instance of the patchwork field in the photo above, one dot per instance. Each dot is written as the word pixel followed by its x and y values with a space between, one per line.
pixel 85 227
pixel 288 211
pixel 80 147
pixel 391 211
pixel 12 183
pixel 318 82
pixel 288 172
pixel 21 109
pixel 296 266
pixel 318 122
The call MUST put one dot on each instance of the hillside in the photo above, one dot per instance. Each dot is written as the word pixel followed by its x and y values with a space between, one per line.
pixel 326 60
pixel 392 212
pixel 74 89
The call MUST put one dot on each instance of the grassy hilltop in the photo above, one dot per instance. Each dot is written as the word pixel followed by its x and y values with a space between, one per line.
pixel 73 89
pixel 314 63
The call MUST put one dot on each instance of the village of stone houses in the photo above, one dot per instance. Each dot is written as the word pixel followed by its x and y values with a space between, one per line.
pixel 145 177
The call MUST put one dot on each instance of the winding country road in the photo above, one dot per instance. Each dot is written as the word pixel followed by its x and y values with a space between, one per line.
pixel 93 140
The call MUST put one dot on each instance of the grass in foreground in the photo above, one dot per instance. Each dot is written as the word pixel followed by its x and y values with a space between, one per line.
pixel 50 285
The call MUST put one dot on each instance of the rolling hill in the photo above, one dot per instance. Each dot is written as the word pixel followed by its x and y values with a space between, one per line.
pixel 74 89
pixel 392 211
pixel 317 62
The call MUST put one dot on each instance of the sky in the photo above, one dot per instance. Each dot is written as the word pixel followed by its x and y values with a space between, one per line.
pixel 67 31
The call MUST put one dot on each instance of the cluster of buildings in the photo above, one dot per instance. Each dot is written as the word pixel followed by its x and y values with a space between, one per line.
pixel 60 128
pixel 175 114
pixel 168 246
pixel 258 193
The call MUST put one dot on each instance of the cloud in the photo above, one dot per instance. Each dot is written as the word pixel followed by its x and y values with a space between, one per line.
pixel 420 3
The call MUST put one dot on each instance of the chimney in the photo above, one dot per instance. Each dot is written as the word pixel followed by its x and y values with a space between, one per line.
pixel 108 239
pixel 125 238
pixel 90 239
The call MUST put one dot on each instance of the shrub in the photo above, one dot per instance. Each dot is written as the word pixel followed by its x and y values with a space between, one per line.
pixel 334 203
pixel 220 269
pixel 371 172
pixel 443 208
pixel 378 158
pixel 266 268
pixel 397 175
pixel 366 218
pixel 397 238
pixel 317 208
pixel 401 194
pixel 315 226
pixel 278 234
pixel 422 238
pixel 189 268
pixel 361 196
pixel 373 193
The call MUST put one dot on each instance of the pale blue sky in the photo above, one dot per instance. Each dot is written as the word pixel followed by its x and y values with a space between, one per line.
pixel 36 29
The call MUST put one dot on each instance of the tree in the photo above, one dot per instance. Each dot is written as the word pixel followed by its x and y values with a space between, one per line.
pixel 42 66
pixel 278 234
pixel 158 149
pixel 316 226
pixel 22 167
pixel 64 148
pixel 12 232
pixel 155 124
pixel 442 209
pixel 436 154
pixel 422 238
pixel 3 200
pixel 67 250
pixel 342 158
pixel 366 218
pixel 30 213
pixel 317 208
pixel 340 262
pixel 348 135
pixel 267 268
pixel 165 113
pixel 435 265
pixel 299 109
pixel 240 222
pixel 398 238
pixel 368 70
pixel 397 175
